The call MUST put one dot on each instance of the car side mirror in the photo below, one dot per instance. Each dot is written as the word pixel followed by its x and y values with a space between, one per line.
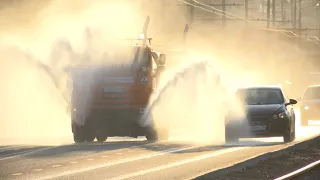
pixel 162 59
pixel 292 101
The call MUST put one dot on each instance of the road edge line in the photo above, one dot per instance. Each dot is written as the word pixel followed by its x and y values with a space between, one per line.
pixel 249 162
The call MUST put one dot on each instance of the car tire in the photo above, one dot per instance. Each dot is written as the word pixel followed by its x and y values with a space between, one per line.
pixel 231 136
pixel 289 136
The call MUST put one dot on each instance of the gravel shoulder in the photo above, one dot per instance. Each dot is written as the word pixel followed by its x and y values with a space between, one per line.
pixel 275 167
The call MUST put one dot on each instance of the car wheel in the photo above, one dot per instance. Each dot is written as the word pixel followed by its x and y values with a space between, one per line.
pixel 231 136
pixel 289 136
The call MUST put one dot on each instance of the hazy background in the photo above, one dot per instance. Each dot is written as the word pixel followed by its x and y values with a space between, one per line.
pixel 33 107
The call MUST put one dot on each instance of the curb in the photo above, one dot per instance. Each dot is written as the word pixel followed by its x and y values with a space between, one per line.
pixel 241 166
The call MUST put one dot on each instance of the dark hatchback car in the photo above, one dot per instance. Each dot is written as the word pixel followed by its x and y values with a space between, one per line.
pixel 266 112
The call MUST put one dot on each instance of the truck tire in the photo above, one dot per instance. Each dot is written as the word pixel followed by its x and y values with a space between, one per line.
pixel 151 134
pixel 78 133
pixel 90 137
pixel 78 137
pixel 163 134
pixel 101 137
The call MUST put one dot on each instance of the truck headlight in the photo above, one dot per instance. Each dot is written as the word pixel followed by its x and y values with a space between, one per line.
pixel 306 107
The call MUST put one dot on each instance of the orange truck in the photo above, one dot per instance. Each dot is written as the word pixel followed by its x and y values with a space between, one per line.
pixel 110 99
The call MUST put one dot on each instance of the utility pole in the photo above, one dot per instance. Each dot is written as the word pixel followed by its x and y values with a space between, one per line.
pixel 282 12
pixel 273 12
pixel 163 13
pixel 191 12
pixel 246 11
pixel 268 13
pixel 223 18
pixel 294 13
pixel 300 15
pixel 262 7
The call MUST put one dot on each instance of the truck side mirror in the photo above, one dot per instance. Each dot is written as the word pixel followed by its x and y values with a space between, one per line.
pixel 162 59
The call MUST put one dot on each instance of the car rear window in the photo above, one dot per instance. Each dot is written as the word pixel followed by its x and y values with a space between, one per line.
pixel 312 93
pixel 259 96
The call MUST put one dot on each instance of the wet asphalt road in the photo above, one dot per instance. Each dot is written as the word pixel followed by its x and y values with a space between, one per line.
pixel 127 158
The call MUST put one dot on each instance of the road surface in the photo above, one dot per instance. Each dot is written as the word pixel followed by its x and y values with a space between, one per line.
pixel 125 158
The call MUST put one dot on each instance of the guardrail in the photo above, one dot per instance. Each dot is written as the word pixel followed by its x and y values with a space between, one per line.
pixel 300 172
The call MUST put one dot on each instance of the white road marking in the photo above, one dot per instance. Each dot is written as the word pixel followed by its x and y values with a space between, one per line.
pixel 37 170
pixel 56 165
pixel 16 174
pixel 90 159
pixel 104 156
pixel 73 162
pixel 178 163
pixel 109 164
pixel 27 153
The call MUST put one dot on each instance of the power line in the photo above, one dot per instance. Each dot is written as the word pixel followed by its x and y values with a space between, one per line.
pixel 226 14
pixel 315 3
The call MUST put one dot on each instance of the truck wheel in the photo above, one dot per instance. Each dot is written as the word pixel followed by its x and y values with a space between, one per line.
pixel 78 134
pixel 78 137
pixel 151 134
pixel 101 137
pixel 163 134
pixel 90 137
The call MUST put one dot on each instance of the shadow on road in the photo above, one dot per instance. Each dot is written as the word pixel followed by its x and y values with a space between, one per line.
pixel 95 147
pixel 163 146
pixel 67 150
pixel 11 150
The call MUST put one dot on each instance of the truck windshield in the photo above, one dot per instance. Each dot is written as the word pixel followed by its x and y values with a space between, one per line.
pixel 312 93
pixel 134 55
pixel 260 96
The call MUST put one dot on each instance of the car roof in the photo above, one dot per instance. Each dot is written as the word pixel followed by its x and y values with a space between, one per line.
pixel 314 86
pixel 262 87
